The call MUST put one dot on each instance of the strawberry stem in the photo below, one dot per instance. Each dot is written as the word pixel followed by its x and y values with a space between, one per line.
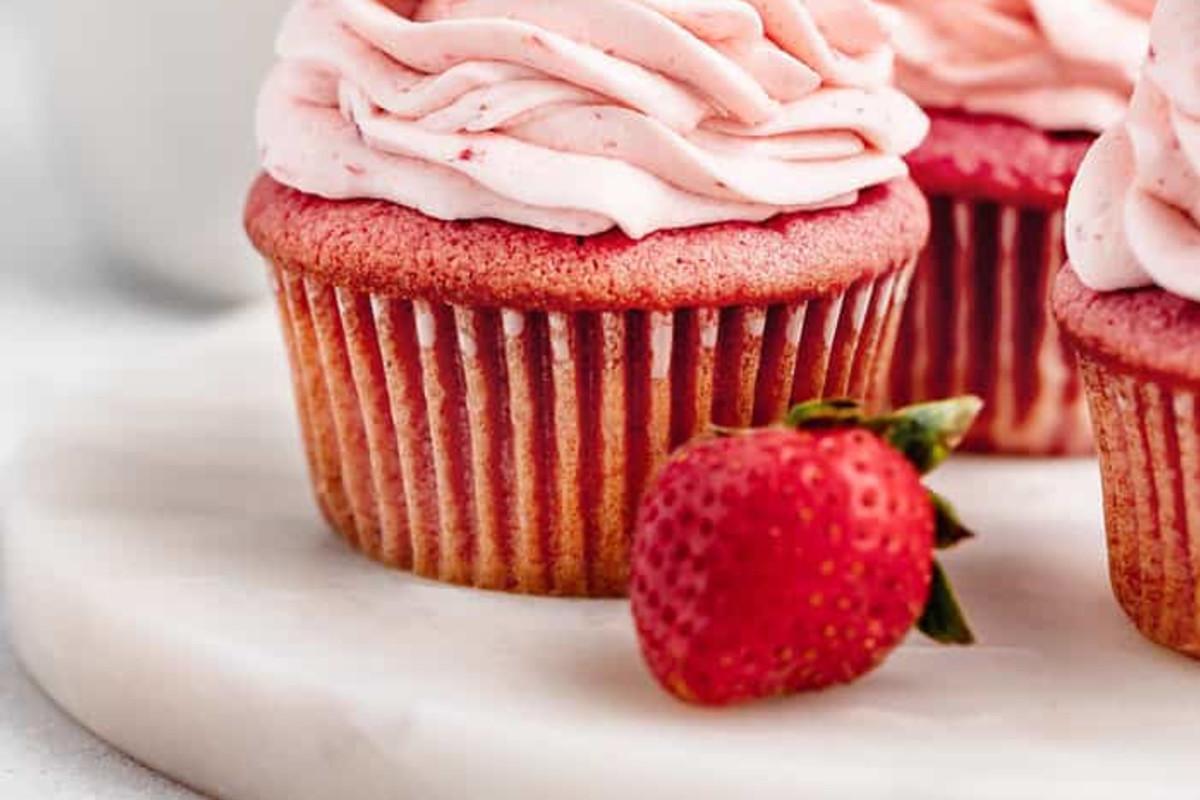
pixel 943 619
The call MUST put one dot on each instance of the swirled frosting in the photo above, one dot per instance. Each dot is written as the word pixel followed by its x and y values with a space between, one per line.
pixel 1055 64
pixel 1134 214
pixel 578 116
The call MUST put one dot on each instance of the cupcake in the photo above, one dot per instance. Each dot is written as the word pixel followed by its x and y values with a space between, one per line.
pixel 523 248
pixel 1017 91
pixel 1129 304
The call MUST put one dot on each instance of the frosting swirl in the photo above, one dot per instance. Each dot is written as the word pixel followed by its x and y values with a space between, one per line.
pixel 580 115
pixel 1054 64
pixel 1134 214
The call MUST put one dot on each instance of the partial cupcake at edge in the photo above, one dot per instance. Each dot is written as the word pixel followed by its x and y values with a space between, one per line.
pixel 522 249
pixel 1129 303
pixel 1017 91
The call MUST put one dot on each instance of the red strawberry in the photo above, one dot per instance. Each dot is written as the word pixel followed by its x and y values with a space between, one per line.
pixel 775 561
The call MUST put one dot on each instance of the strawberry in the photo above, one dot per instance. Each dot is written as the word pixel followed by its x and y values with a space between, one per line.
pixel 786 559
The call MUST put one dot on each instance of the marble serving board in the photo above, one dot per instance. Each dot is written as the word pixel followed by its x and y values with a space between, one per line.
pixel 171 586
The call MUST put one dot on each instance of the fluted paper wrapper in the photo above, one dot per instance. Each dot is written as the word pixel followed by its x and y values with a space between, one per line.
pixel 1148 433
pixel 979 322
pixel 507 449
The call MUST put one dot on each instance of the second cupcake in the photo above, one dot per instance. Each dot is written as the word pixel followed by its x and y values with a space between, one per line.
pixel 1017 91
pixel 1130 305
pixel 522 248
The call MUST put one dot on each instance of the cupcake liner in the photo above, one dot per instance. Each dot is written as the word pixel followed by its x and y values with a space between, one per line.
pixel 507 449
pixel 1148 432
pixel 979 322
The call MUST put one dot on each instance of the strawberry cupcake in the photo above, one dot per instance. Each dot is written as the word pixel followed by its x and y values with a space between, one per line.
pixel 1129 303
pixel 523 248
pixel 1017 91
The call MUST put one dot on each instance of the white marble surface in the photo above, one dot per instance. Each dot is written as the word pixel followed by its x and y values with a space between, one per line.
pixel 54 341
pixel 271 661
pixel 44 755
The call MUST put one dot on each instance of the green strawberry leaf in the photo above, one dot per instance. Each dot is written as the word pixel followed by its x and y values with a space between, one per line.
pixel 950 529
pixel 826 414
pixel 943 619
pixel 927 433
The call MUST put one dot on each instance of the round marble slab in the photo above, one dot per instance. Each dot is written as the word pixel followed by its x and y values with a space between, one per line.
pixel 171 587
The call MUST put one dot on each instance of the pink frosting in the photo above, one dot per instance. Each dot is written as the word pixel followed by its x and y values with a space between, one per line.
pixel 578 115
pixel 1134 214
pixel 1055 64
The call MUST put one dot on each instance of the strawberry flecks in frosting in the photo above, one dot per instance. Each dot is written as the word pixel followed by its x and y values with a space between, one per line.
pixel 1059 65
pixel 578 116
pixel 1134 215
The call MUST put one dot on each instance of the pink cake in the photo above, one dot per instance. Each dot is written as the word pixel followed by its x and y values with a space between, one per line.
pixel 1017 92
pixel 1129 303
pixel 1140 357
pixel 997 191
pixel 484 402
pixel 512 285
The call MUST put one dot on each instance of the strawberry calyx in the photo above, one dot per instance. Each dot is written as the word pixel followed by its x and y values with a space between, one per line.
pixel 950 531
pixel 943 620
pixel 925 434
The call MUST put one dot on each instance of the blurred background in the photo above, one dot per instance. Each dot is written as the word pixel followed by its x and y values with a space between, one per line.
pixel 126 143
pixel 123 158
